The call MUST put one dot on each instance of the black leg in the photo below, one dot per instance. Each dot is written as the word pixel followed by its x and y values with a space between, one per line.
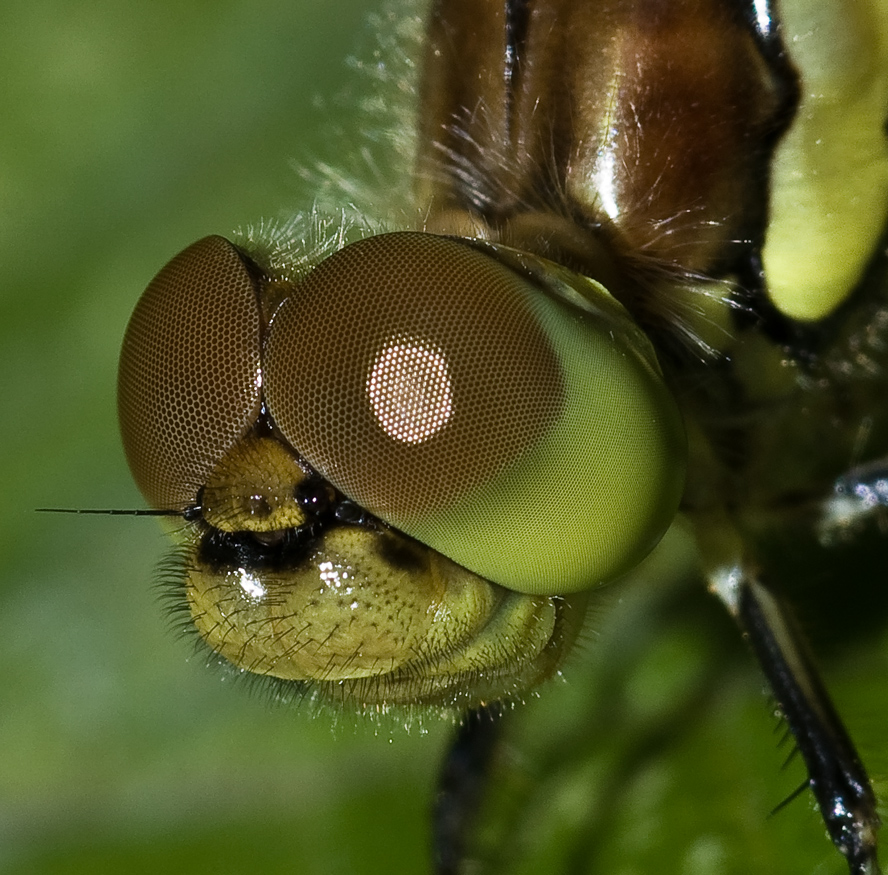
pixel 461 786
pixel 836 775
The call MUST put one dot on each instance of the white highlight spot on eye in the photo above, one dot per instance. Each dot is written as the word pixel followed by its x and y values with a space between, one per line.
pixel 410 390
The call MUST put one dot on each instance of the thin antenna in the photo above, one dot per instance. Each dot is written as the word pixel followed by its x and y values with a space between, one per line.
pixel 113 512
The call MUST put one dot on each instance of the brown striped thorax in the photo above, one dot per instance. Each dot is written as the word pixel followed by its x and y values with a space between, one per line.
pixel 647 282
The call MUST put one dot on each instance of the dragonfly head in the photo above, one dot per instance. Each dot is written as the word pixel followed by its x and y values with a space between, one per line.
pixel 405 456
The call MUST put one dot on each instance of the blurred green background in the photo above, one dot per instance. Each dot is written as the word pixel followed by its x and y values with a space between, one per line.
pixel 130 130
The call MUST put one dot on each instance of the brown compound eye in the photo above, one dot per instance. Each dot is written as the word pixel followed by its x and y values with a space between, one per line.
pixel 189 385
pixel 410 371
pixel 522 430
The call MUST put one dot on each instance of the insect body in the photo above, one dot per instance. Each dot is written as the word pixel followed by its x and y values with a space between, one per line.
pixel 406 467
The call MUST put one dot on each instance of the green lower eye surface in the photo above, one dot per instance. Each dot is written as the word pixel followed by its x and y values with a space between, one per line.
pixel 594 495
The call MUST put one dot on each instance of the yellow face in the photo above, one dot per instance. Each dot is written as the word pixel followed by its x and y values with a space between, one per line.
pixel 406 463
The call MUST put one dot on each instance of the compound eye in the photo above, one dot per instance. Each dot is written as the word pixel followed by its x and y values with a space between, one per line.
pixel 189 382
pixel 520 432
